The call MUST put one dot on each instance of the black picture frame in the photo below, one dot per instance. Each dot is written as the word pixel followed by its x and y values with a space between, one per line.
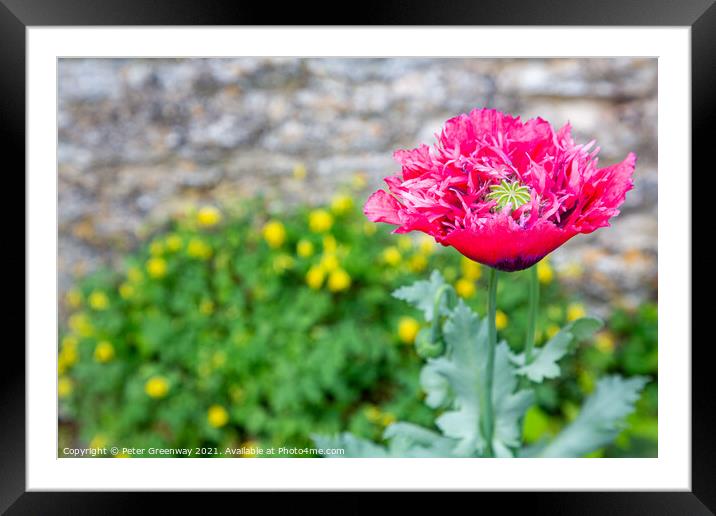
pixel 17 15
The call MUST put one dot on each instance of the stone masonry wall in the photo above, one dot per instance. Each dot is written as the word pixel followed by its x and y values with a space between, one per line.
pixel 141 139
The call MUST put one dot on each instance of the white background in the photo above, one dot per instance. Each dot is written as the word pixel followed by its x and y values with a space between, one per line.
pixel 670 471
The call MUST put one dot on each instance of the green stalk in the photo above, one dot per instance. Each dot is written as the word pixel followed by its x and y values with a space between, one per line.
pixel 436 333
pixel 532 315
pixel 488 422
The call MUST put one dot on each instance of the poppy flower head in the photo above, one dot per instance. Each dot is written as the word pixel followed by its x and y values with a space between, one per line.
pixel 502 192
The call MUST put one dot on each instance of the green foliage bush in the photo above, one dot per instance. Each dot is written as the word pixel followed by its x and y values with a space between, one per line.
pixel 211 336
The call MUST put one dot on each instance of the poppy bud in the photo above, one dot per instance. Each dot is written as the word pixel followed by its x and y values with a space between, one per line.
pixel 428 347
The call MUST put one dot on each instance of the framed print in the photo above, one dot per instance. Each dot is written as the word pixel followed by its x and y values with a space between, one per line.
pixel 410 251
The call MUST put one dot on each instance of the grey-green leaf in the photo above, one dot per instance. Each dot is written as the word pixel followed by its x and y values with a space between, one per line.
pixel 421 295
pixel 405 440
pixel 600 420
pixel 409 440
pixel 462 372
pixel 544 361
pixel 509 406
pixel 462 368
pixel 585 327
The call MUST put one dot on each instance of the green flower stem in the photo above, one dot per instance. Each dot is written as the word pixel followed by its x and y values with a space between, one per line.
pixel 488 422
pixel 532 315
pixel 436 333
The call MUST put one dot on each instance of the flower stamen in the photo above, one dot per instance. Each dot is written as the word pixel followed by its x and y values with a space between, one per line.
pixel 514 193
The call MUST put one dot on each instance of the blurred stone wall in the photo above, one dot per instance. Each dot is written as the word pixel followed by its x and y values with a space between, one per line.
pixel 141 139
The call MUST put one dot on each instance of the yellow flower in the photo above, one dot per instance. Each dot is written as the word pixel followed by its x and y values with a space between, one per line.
pixel 104 352
pixel 408 329
pixel 204 370
pixel 274 233
pixel 405 243
pixel 252 448
pixel 545 273
pixel 156 387
pixel 372 413
pixel 573 270
pixel 134 274
pixel 418 263
pixel 197 248
pixel 126 290
pixel 73 298
pixel 358 181
pixel 208 216
pixel 575 311
pixel 223 260
pixel 465 288
pixel 604 342
pixel 470 270
pixel 369 228
pixel 217 416
pixel 174 243
pixel 315 277
pixel 218 359
pixel 377 417
pixel 157 267
pixel 64 387
pixel 329 262
pixel 66 358
pixel 206 307
pixel 427 245
pixel 341 204
pixel 501 320
pixel 552 330
pixel 156 248
pixel 81 325
pixel 450 273
pixel 392 256
pixel 329 244
pixel 70 341
pixel 98 300
pixel 554 312
pixel 98 441
pixel 338 280
pixel 320 221
pixel 282 263
pixel 236 393
pixel 387 419
pixel 299 171
pixel 304 248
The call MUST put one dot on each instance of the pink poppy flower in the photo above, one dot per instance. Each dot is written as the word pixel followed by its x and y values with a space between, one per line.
pixel 502 192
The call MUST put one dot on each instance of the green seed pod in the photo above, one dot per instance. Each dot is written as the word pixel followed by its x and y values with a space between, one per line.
pixel 426 347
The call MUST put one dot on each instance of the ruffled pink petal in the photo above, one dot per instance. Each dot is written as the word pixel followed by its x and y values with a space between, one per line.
pixel 443 190
pixel 501 244
pixel 415 162
pixel 604 194
pixel 382 207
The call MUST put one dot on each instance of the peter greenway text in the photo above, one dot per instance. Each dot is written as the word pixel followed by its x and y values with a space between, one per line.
pixel 244 451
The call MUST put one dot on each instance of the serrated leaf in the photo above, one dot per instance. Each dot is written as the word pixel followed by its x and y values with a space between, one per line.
pixel 585 327
pixel 405 440
pixel 409 440
pixel 435 385
pixel 544 360
pixel 600 420
pixel 421 295
pixel 463 370
pixel 509 406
